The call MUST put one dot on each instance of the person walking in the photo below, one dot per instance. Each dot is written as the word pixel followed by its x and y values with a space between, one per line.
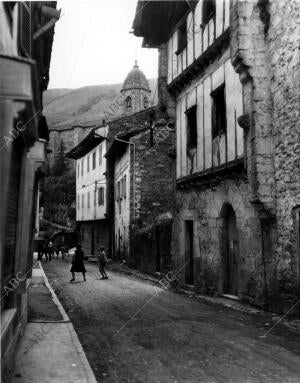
pixel 102 260
pixel 77 263
pixel 40 249
pixel 50 250
pixel 45 250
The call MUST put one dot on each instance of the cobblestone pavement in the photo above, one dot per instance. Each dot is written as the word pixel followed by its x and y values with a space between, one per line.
pixel 133 331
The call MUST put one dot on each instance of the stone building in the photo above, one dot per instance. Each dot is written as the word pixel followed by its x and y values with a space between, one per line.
pixel 140 178
pixel 91 211
pixel 25 53
pixel 233 72
pixel 142 196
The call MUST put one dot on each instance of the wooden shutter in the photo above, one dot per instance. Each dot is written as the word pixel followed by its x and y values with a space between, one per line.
pixel 25 32
pixel 11 217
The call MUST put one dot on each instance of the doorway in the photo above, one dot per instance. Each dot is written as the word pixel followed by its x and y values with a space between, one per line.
pixel 189 256
pixel 231 253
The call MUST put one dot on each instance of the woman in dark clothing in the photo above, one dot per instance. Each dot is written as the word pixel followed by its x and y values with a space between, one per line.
pixel 77 263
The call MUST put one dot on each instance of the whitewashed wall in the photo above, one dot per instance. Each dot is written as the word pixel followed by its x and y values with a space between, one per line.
pixel 199 39
pixel 122 219
pixel 230 145
pixel 86 184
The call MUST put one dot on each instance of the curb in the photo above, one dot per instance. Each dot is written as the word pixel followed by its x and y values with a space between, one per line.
pixel 190 294
pixel 130 273
pixel 90 377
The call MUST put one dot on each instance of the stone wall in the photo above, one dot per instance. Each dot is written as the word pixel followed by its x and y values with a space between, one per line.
pixel 205 206
pixel 153 176
pixel 283 39
pixel 151 248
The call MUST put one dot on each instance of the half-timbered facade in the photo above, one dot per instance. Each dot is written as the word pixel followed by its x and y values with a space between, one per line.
pixel 230 236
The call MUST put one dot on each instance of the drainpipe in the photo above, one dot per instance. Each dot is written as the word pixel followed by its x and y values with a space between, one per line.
pixel 133 172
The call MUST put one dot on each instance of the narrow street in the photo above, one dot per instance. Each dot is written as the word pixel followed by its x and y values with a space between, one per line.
pixel 133 331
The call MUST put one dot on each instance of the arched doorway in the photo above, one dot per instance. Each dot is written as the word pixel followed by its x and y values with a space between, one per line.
pixel 230 250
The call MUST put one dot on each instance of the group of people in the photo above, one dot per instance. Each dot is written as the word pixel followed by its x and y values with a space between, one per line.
pixel 46 248
pixel 78 264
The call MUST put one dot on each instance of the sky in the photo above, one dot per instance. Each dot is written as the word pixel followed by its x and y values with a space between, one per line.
pixel 93 46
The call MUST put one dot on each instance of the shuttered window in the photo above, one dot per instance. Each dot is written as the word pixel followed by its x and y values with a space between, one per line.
pixel 94 160
pixel 25 32
pixel 11 221
pixel 218 111
pixel 101 196
pixel 100 155
pixel 124 187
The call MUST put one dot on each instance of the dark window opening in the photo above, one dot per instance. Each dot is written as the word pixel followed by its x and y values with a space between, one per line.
pixel 100 154
pixel 124 187
pixel 94 160
pixel 191 118
pixel 182 37
pixel 128 102
pixel 208 11
pixel 146 102
pixel 218 111
pixel 101 196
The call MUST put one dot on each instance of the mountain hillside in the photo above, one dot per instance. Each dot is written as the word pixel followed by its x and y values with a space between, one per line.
pixel 84 104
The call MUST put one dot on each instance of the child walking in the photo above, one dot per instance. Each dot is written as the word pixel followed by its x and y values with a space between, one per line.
pixel 102 260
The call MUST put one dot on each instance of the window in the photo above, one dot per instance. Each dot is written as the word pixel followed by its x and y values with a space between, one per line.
pixel 88 203
pixel 78 170
pixel 78 201
pixel 118 190
pixel 182 37
pixel 218 111
pixel 101 196
pixel 100 155
pixel 128 102
pixel 124 188
pixel 82 163
pixel 146 102
pixel 82 201
pixel 94 160
pixel 208 11
pixel 121 188
pixel 191 121
pixel 25 28
pixel 88 163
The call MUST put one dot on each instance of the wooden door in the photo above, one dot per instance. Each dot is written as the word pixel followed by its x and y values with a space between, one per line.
pixel 232 253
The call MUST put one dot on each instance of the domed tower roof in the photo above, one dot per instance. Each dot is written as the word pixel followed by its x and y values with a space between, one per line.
pixel 136 80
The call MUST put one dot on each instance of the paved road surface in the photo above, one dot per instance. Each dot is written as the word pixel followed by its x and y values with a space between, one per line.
pixel 133 331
